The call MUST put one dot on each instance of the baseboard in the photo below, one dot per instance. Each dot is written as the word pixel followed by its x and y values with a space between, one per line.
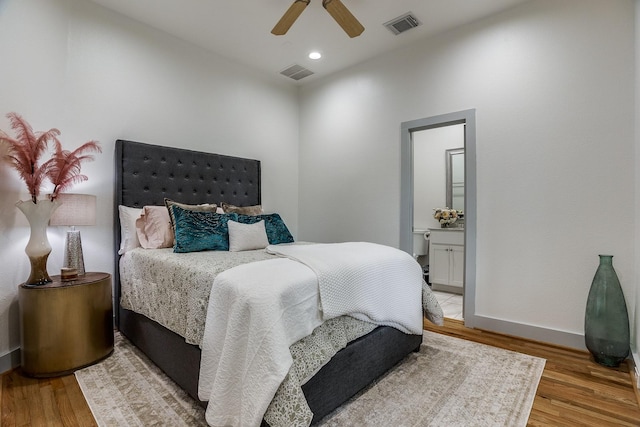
pixel 10 361
pixel 634 368
pixel 536 333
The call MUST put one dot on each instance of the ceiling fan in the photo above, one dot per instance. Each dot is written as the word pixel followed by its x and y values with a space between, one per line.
pixel 336 9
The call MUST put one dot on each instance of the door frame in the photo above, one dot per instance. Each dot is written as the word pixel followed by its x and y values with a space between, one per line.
pixel 467 117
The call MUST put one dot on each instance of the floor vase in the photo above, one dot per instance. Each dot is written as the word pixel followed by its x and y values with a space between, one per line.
pixel 606 324
pixel 38 247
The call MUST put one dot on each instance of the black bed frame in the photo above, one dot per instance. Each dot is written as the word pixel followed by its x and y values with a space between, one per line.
pixel 144 175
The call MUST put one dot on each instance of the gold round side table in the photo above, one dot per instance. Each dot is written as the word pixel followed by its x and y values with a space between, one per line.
pixel 65 325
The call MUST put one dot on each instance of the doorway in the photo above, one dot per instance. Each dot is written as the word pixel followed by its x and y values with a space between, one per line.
pixel 438 190
pixel 415 131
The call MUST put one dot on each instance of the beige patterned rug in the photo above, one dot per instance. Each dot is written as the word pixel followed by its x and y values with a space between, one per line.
pixel 450 382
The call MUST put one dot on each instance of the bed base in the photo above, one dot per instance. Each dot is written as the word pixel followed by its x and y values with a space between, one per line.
pixel 349 371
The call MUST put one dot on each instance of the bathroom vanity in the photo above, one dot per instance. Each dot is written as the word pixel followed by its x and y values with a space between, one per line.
pixel 446 259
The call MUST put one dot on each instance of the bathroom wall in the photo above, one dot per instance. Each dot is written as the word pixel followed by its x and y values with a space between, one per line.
pixel 429 171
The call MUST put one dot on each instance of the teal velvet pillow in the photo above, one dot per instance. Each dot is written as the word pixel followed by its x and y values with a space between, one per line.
pixel 277 231
pixel 200 231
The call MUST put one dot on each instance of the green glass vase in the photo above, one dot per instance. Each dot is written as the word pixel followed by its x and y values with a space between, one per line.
pixel 606 322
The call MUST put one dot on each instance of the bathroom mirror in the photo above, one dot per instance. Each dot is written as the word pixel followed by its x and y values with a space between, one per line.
pixel 455 178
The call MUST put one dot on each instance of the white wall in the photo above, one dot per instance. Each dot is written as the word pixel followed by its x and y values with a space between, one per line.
pixel 551 84
pixel 429 171
pixel 94 74
pixel 635 324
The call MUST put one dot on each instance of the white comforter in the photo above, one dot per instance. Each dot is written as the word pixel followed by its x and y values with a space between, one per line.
pixel 256 311
pixel 370 282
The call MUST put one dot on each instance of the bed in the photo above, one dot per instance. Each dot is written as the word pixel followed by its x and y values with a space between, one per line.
pixel 145 175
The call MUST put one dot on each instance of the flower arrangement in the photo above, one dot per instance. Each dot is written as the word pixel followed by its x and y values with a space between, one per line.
pixel 446 216
pixel 25 151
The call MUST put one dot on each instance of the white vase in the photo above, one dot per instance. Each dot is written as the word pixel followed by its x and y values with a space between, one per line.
pixel 38 247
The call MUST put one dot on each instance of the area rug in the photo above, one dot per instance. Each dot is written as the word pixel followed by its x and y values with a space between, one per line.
pixel 450 382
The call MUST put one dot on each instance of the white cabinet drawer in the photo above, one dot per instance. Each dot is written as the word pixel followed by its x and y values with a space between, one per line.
pixel 446 237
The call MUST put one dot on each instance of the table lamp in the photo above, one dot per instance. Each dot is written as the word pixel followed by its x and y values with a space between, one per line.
pixel 74 210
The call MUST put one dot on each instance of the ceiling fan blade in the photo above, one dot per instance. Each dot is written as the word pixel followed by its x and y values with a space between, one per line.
pixel 343 17
pixel 289 17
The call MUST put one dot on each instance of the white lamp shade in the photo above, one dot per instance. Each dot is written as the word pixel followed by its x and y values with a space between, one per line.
pixel 75 209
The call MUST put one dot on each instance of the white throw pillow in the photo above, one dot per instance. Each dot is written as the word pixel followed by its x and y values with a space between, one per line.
pixel 128 235
pixel 247 237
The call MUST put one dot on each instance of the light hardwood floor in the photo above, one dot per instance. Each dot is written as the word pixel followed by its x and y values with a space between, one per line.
pixel 573 390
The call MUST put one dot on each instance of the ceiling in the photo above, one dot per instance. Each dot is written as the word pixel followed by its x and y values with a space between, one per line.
pixel 241 29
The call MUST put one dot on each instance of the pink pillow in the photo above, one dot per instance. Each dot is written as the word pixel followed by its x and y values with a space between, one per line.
pixel 154 228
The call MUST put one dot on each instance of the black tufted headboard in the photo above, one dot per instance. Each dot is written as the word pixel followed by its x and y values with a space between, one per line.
pixel 145 174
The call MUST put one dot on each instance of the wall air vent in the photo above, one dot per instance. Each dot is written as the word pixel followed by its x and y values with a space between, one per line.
pixel 402 23
pixel 296 72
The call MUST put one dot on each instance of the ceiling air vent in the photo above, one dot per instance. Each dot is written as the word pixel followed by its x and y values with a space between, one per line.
pixel 296 72
pixel 402 23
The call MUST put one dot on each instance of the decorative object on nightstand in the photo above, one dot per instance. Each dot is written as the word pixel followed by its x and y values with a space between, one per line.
pixel 65 325
pixel 62 170
pixel 38 247
pixel 606 322
pixel 75 210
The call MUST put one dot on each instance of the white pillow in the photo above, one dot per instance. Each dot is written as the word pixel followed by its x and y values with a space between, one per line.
pixel 128 235
pixel 247 237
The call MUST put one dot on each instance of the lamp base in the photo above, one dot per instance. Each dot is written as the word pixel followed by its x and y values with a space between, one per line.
pixel 73 252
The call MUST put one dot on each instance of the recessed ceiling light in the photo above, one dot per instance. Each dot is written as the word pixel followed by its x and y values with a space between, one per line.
pixel 315 55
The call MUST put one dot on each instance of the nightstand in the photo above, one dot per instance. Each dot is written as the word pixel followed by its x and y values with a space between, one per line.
pixel 65 325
